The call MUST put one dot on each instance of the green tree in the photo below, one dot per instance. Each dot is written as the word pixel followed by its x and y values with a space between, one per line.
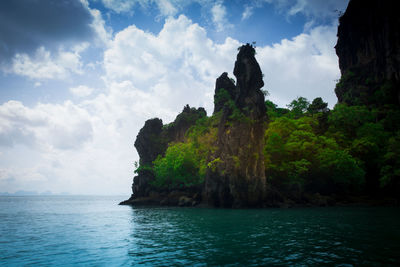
pixel 298 106
pixel 296 155
pixel 390 172
pixel 180 167
pixel 273 111
pixel 341 169
pixel 317 105
pixel 348 119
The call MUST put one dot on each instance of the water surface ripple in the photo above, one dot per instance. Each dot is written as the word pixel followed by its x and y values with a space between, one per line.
pixel 92 231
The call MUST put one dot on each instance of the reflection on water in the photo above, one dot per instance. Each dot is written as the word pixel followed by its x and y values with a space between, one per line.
pixel 366 236
pixel 95 231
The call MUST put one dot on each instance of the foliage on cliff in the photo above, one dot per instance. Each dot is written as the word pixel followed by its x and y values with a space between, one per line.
pixel 299 157
pixel 308 149
pixel 349 150
pixel 184 163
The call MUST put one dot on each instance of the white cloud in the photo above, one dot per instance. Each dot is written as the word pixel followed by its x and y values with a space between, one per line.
pixel 120 6
pixel 46 126
pixel 248 11
pixel 81 91
pixel 80 148
pixel 59 60
pixel 166 8
pixel 39 43
pixel 44 65
pixel 180 63
pixel 218 12
pixel 103 34
pixel 304 66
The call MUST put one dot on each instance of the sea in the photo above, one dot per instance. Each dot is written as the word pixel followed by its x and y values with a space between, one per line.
pixel 96 231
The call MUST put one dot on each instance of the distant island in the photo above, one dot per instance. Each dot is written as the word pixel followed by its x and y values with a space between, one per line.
pixel 251 153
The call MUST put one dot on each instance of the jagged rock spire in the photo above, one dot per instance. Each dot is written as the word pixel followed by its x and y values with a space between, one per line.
pixel 239 178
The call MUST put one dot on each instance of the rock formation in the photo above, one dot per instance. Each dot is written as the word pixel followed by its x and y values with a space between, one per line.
pixel 368 48
pixel 225 90
pixel 152 141
pixel 239 177
pixel 149 144
pixel 176 130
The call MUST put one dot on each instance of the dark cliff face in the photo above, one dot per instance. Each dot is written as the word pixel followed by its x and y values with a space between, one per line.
pixel 223 83
pixel 177 129
pixel 239 178
pixel 153 140
pixel 249 82
pixel 368 48
pixel 149 142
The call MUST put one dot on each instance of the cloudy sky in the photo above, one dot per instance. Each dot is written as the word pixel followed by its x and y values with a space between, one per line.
pixel 78 78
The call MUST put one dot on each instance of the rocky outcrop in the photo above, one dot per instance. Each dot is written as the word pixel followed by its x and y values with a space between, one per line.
pixel 149 143
pixel 238 178
pixel 225 90
pixel 176 130
pixel 368 48
pixel 249 77
pixel 152 141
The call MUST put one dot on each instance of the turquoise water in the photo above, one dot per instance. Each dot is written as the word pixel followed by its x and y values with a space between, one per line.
pixel 95 231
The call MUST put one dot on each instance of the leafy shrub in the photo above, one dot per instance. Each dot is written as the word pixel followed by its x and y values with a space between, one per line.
pixel 181 167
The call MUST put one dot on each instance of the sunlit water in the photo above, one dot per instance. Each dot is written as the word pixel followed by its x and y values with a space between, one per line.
pixel 96 231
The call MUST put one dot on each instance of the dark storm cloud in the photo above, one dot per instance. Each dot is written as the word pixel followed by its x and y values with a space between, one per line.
pixel 26 25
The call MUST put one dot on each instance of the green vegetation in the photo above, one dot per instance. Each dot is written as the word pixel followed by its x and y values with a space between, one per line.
pixel 223 98
pixel 352 149
pixel 390 172
pixel 181 167
pixel 184 164
pixel 296 155
pixel 298 107
pixel 347 150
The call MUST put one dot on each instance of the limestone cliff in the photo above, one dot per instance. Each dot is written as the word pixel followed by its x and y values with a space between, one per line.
pixel 368 48
pixel 176 130
pixel 238 179
pixel 225 90
pixel 152 141
pixel 237 176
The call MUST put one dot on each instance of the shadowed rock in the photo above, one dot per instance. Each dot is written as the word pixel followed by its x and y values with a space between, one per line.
pixel 176 130
pixel 152 141
pixel 225 90
pixel 368 48
pixel 239 180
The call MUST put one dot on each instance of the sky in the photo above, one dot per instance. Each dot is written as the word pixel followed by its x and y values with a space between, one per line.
pixel 78 78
